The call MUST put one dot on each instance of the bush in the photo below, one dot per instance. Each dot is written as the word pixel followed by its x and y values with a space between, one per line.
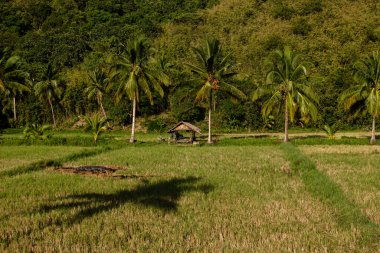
pixel 156 125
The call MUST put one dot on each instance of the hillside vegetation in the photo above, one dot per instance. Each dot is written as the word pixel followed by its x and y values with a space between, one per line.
pixel 77 36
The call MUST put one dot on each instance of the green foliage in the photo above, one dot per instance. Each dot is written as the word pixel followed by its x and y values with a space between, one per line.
pixel 156 125
pixel 37 132
pixel 96 125
pixel 287 87
pixel 79 36
pixel 331 130
pixel 134 72
pixel 99 85
pixel 13 79
pixel 364 97
pixel 49 89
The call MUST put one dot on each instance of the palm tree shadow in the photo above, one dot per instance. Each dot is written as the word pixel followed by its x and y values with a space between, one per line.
pixel 163 195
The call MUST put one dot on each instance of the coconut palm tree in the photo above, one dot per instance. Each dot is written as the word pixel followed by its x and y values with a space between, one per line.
pixel 365 96
pixel 97 125
pixel 211 69
pixel 49 89
pixel 98 87
pixel 13 80
pixel 135 74
pixel 287 88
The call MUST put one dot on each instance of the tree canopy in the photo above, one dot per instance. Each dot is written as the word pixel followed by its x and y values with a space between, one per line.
pixel 76 37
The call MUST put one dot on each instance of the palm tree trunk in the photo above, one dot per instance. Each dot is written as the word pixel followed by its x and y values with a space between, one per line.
pixel 99 98
pixel 52 112
pixel 214 102
pixel 14 109
pixel 132 140
pixel 373 134
pixel 102 108
pixel 286 138
pixel 209 119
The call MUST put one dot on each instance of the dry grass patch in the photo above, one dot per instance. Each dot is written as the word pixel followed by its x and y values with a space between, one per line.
pixel 217 199
pixel 340 149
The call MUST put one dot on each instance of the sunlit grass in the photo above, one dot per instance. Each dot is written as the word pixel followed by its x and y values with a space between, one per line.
pixel 358 175
pixel 15 156
pixel 208 198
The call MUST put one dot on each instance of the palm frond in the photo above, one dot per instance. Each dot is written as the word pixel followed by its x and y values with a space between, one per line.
pixel 232 90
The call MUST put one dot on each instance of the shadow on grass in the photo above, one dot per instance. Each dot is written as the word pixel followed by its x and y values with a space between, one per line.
pixel 43 164
pixel 321 186
pixel 163 195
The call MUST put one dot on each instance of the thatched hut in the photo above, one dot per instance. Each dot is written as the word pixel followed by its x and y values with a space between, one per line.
pixel 184 127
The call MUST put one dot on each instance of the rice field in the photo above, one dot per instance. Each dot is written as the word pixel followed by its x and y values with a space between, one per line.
pixel 234 197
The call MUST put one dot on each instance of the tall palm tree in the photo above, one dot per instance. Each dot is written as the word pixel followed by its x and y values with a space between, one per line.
pixel 365 96
pixel 98 86
pixel 49 89
pixel 135 74
pixel 211 69
pixel 288 89
pixel 13 80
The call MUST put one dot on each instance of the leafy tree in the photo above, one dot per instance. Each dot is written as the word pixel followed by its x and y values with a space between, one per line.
pixel 287 87
pixel 13 80
pixel 97 125
pixel 49 89
pixel 211 69
pixel 365 96
pixel 98 87
pixel 136 74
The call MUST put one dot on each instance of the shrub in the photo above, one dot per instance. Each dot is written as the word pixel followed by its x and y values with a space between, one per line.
pixel 37 132
pixel 156 125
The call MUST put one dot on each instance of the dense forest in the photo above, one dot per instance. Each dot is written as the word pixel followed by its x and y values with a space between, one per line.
pixel 71 43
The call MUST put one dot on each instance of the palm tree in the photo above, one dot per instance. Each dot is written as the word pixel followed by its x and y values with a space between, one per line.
pixel 365 96
pixel 286 84
pixel 98 86
pixel 49 89
pixel 135 74
pixel 97 125
pixel 211 69
pixel 13 80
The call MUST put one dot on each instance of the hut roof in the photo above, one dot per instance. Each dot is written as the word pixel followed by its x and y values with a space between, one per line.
pixel 184 126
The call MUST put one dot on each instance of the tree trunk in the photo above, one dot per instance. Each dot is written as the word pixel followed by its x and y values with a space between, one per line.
pixel 52 112
pixel 209 119
pixel 132 140
pixel 286 138
pixel 373 134
pixel 214 103
pixel 14 109
pixel 101 107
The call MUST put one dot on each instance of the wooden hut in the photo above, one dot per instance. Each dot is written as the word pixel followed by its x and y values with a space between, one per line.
pixel 184 127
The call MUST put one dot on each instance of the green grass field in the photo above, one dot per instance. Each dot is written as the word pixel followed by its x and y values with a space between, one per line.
pixel 240 195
